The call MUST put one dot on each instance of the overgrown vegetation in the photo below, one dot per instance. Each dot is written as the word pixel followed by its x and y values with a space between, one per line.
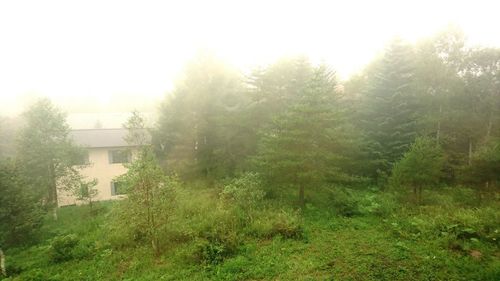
pixel 280 175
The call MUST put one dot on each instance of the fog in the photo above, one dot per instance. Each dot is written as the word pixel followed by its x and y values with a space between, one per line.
pixel 114 56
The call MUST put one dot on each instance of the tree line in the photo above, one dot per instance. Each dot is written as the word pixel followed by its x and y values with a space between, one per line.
pixel 295 123
pixel 418 115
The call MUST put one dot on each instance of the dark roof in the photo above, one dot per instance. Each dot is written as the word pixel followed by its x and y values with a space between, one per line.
pixel 100 137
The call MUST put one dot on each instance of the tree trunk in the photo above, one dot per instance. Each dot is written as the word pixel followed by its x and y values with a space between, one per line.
pixel 438 131
pixel 154 245
pixel 470 152
pixel 490 125
pixel 301 197
pixel 2 263
pixel 53 190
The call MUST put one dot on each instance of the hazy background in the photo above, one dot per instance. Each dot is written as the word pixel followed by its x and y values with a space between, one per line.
pixel 105 56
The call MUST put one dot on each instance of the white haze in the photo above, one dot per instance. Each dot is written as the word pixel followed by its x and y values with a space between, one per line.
pixel 96 56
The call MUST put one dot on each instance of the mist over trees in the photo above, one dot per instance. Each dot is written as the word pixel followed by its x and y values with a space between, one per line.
pixel 289 118
pixel 282 160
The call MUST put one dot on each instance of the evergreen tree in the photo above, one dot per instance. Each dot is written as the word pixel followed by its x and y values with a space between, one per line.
pixel 195 133
pixel 485 167
pixel 304 146
pixel 420 167
pixel 20 211
pixel 389 106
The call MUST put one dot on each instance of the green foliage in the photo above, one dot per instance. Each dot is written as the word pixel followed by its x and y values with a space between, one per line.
pixel 62 248
pixel 406 244
pixel 420 167
pixel 245 191
pixel 199 133
pixel 270 223
pixel 46 152
pixel 457 230
pixel 216 247
pixel 389 105
pixel 87 191
pixel 305 145
pixel 20 213
pixel 351 202
pixel 485 165
pixel 286 127
pixel 343 202
pixel 145 213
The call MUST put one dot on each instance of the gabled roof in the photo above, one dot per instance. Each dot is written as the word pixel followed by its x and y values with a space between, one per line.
pixel 100 137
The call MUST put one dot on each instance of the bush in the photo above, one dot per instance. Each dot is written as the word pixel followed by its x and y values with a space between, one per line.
pixel 245 191
pixel 458 228
pixel 216 244
pixel 343 202
pixel 421 166
pixel 286 224
pixel 379 204
pixel 351 202
pixel 62 248
pixel 217 247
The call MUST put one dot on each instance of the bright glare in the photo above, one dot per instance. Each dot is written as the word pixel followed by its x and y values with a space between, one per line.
pixel 90 53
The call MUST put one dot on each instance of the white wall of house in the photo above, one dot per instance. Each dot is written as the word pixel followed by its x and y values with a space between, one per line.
pixel 101 169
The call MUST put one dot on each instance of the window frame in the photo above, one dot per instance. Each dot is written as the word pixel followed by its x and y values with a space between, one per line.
pixel 86 158
pixel 111 158
pixel 113 189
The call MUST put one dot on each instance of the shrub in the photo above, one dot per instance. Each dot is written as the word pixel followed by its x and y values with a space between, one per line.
pixel 421 166
pixel 379 204
pixel 245 191
pixel 286 224
pixel 216 245
pixel 343 202
pixel 457 228
pixel 35 275
pixel 62 248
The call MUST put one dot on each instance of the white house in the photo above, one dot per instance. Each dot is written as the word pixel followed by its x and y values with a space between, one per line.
pixel 107 152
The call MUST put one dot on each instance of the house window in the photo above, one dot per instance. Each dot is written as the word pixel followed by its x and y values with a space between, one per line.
pixel 117 188
pixel 119 156
pixel 82 158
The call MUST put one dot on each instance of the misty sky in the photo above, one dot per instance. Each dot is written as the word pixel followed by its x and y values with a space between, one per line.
pixel 86 54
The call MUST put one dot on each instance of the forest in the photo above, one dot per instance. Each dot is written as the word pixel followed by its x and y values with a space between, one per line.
pixel 284 172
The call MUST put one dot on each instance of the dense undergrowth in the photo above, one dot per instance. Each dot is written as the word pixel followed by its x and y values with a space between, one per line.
pixel 230 233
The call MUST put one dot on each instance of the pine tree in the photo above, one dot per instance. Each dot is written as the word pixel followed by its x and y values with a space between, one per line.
pixel 20 212
pixel 303 147
pixel 389 106
pixel 420 167
pixel 195 134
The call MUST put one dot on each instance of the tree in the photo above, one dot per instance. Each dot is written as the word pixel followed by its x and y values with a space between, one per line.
pixel 482 75
pixel 87 192
pixel 150 193
pixel 439 63
pixel 198 132
pixel 46 151
pixel 304 146
pixel 389 107
pixel 20 213
pixel 420 167
pixel 485 166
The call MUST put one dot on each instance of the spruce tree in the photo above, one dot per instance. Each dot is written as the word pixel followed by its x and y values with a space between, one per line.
pixel 303 146
pixel 389 106
pixel 420 167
